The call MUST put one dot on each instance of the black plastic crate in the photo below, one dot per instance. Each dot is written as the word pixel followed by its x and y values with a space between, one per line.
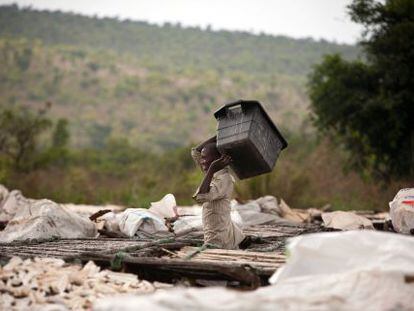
pixel 249 136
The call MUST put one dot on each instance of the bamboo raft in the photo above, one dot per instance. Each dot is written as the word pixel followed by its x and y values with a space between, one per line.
pixel 173 259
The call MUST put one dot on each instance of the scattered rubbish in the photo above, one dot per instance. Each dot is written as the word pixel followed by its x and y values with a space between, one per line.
pixel 45 219
pixel 51 284
pixel 402 211
pixel 346 221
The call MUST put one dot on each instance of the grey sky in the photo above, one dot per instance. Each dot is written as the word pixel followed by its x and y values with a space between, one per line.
pixel 295 18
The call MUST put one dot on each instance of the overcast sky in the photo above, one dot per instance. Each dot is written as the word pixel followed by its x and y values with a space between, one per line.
pixel 325 19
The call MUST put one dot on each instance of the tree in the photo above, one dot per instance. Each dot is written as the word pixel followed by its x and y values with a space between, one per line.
pixel 61 134
pixel 368 104
pixel 19 132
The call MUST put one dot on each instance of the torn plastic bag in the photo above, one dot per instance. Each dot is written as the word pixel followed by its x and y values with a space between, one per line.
pixel 268 204
pixel 346 221
pixel 336 252
pixel 250 214
pixel 402 211
pixel 45 219
pixel 11 203
pixel 111 221
pixel 189 210
pixel 186 224
pixel 134 220
pixel 4 192
pixel 164 208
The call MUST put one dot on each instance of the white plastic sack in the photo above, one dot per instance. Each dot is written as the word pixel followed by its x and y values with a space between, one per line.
pixel 402 211
pixel 44 219
pixel 250 214
pixel 139 219
pixel 186 224
pixel 111 221
pixel 87 210
pixel 189 210
pixel 4 192
pixel 348 291
pixel 338 252
pixel 268 204
pixel 346 221
pixel 165 208
pixel 11 203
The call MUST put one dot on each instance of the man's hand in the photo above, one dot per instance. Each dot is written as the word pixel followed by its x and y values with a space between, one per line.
pixel 220 163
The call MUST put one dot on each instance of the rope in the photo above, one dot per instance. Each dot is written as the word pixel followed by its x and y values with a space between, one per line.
pixel 200 249
pixel 116 263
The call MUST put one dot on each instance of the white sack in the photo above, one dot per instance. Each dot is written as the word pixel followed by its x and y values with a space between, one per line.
pixel 250 214
pixel 268 204
pixel 11 203
pixel 111 221
pixel 87 210
pixel 338 252
pixel 4 192
pixel 186 224
pixel 189 210
pixel 44 219
pixel 164 208
pixel 140 219
pixel 346 221
pixel 402 211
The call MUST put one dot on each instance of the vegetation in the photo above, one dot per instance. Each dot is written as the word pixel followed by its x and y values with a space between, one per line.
pixel 369 105
pixel 171 46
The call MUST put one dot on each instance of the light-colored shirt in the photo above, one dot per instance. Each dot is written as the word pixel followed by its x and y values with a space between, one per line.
pixel 219 230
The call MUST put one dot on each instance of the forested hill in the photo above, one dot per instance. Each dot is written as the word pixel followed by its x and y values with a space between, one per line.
pixel 156 86
pixel 171 45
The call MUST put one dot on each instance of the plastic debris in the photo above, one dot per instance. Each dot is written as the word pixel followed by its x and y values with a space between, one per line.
pixel 402 211
pixel 346 221
pixel 45 219
pixel 336 252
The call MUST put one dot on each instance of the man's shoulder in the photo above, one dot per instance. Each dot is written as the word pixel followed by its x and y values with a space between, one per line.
pixel 224 174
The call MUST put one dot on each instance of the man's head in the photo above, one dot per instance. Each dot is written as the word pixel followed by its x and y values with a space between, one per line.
pixel 209 154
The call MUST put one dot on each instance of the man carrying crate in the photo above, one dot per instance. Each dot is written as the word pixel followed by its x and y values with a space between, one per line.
pixel 214 193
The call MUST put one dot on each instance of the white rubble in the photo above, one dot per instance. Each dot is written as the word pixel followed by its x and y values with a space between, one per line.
pixel 52 284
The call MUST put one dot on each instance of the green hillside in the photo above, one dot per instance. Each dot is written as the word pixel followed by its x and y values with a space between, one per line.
pixel 171 46
pixel 157 86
